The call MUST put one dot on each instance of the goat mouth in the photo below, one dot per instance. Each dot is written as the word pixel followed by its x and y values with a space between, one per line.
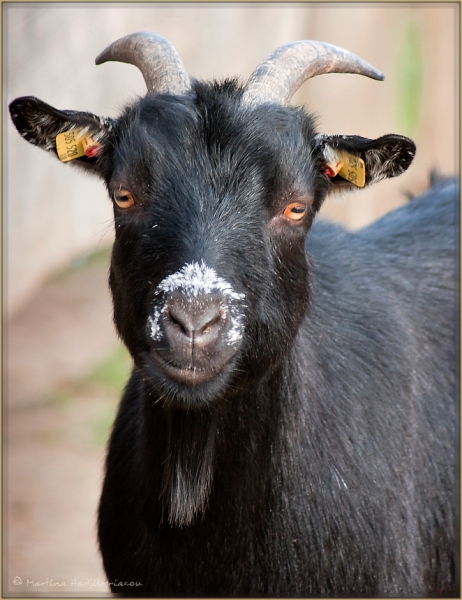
pixel 189 375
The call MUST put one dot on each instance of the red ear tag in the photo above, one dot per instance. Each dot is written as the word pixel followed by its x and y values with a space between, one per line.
pixel 91 147
pixel 92 151
pixel 349 166
pixel 329 172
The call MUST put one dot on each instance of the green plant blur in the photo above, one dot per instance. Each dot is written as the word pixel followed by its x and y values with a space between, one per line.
pixel 113 371
pixel 409 73
pixel 110 375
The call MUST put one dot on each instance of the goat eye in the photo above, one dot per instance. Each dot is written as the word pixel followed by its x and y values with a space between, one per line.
pixel 295 211
pixel 123 198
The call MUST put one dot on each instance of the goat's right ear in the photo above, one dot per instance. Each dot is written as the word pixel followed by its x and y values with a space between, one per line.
pixel 351 161
pixel 78 137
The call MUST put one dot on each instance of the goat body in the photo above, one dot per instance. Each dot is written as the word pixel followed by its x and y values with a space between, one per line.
pixel 289 427
pixel 334 474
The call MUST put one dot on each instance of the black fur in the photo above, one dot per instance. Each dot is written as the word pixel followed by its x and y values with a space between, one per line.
pixel 321 458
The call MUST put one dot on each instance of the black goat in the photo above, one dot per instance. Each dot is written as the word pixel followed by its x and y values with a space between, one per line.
pixel 289 428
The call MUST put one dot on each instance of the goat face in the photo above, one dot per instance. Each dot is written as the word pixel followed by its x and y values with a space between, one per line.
pixel 212 240
pixel 214 189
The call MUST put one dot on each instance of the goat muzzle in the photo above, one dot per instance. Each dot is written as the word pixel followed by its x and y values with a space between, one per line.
pixel 193 338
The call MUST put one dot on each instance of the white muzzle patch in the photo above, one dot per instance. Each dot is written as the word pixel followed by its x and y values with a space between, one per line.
pixel 194 280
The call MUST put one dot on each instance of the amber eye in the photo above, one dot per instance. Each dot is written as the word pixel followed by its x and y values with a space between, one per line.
pixel 295 211
pixel 123 198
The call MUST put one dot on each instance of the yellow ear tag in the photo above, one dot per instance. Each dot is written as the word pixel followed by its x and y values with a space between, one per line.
pixel 72 144
pixel 348 166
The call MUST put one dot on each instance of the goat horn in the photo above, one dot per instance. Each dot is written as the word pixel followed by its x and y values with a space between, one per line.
pixel 154 56
pixel 278 77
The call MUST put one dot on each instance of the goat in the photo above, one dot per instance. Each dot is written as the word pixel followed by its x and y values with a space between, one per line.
pixel 289 427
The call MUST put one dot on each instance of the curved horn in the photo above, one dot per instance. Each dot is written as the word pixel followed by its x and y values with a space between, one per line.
pixel 278 77
pixel 154 56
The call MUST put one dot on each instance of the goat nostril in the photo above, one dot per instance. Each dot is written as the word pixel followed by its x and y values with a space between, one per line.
pixel 196 320
pixel 212 323
pixel 176 322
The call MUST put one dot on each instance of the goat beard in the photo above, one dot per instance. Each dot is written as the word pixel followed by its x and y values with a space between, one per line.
pixel 189 464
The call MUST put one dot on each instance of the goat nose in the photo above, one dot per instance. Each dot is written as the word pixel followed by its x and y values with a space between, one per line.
pixel 197 320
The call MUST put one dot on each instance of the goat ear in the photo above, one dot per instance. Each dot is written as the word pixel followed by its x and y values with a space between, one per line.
pixel 83 134
pixel 351 161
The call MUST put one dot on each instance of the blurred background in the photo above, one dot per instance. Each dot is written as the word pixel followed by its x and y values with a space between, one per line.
pixel 63 365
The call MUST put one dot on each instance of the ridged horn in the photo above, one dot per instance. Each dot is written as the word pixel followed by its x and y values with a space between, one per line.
pixel 154 56
pixel 278 77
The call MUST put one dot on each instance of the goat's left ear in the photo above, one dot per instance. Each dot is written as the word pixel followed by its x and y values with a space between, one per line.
pixel 351 161
pixel 72 136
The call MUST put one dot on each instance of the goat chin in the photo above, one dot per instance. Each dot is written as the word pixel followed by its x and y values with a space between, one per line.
pixel 186 388
pixel 189 375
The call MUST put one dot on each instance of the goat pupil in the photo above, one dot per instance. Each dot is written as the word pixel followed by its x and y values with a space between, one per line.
pixel 121 198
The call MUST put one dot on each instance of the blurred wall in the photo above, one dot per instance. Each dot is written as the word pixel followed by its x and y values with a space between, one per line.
pixel 52 213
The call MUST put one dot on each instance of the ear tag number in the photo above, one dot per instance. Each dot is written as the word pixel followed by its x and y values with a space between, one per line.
pixel 348 166
pixel 71 144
